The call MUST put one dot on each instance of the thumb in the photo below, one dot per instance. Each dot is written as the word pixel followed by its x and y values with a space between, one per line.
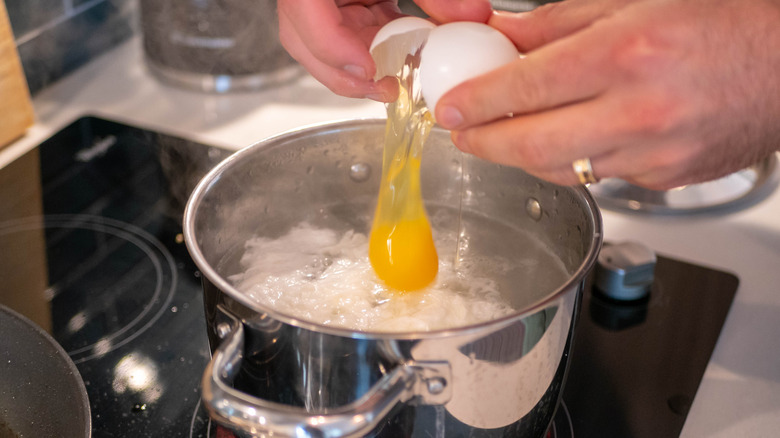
pixel 444 11
pixel 550 22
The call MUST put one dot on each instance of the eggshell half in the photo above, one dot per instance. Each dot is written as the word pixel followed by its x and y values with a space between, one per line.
pixel 395 40
pixel 399 26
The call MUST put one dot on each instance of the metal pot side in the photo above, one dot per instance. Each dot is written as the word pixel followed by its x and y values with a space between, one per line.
pixel 274 373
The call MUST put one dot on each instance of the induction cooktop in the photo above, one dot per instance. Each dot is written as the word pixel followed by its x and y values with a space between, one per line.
pixel 91 249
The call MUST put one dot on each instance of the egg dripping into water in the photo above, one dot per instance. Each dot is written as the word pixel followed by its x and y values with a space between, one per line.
pixel 428 61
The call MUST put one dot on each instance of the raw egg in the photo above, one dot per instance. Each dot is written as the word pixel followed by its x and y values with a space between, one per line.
pixel 427 61
pixel 401 248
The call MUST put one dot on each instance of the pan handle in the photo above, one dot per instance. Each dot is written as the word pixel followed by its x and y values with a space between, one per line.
pixel 429 381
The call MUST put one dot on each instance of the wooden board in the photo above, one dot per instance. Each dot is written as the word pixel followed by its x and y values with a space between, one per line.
pixel 16 111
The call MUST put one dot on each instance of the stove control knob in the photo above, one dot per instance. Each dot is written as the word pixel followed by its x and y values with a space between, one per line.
pixel 625 271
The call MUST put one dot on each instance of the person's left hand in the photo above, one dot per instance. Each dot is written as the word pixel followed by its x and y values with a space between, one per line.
pixel 330 38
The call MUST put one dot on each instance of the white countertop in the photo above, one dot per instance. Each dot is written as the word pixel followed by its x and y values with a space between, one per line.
pixel 740 393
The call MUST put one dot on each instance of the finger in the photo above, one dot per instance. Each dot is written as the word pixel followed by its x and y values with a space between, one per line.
pixel 339 80
pixel 444 11
pixel 554 76
pixel 656 162
pixel 549 140
pixel 660 165
pixel 530 30
pixel 565 174
pixel 337 37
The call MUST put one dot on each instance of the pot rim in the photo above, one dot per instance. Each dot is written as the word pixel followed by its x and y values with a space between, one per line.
pixel 210 273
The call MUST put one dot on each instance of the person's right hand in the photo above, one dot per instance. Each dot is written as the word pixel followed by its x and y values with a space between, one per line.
pixel 330 38
pixel 659 93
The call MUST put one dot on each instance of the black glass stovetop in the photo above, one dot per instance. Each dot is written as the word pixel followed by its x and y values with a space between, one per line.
pixel 91 249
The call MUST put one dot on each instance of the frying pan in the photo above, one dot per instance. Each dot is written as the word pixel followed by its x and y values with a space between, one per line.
pixel 41 391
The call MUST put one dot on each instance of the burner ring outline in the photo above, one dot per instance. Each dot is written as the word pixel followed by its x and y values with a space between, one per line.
pixel 140 238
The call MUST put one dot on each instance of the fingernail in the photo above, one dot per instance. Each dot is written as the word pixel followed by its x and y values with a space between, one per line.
pixel 449 117
pixel 357 71
pixel 376 97
pixel 459 142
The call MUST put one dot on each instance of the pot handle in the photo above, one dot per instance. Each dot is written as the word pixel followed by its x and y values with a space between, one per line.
pixel 429 381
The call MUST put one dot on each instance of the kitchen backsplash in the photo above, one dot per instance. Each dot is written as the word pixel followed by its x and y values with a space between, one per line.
pixel 55 37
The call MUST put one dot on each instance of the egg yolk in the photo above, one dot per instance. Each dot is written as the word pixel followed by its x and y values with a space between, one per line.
pixel 403 254
pixel 401 248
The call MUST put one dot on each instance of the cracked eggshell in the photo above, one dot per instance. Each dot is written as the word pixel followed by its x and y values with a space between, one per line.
pixel 395 40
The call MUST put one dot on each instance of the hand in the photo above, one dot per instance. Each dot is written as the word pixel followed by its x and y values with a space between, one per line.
pixel 661 93
pixel 330 38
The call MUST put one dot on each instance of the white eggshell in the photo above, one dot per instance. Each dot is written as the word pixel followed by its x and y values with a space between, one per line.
pixel 400 26
pixel 395 40
pixel 456 52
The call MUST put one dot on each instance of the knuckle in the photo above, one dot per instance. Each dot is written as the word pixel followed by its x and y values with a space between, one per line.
pixel 652 183
pixel 643 51
pixel 561 176
pixel 465 139
pixel 655 116
pixel 665 179
pixel 287 41
pixel 471 103
pixel 524 90
pixel 671 167
pixel 665 160
pixel 531 153
pixel 545 12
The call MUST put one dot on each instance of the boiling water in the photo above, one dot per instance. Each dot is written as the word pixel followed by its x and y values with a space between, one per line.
pixel 322 275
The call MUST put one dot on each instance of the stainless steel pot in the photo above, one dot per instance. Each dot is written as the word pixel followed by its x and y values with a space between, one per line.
pixel 41 391
pixel 273 374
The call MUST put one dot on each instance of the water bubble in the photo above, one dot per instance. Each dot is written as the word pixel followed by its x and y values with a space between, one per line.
pixel 533 208
pixel 360 172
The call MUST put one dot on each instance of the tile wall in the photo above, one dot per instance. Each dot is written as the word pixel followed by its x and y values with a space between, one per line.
pixel 55 37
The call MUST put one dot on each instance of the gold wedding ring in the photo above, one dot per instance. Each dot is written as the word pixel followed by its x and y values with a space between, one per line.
pixel 584 171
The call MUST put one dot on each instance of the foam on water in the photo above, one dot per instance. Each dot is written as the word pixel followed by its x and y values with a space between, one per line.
pixel 325 277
